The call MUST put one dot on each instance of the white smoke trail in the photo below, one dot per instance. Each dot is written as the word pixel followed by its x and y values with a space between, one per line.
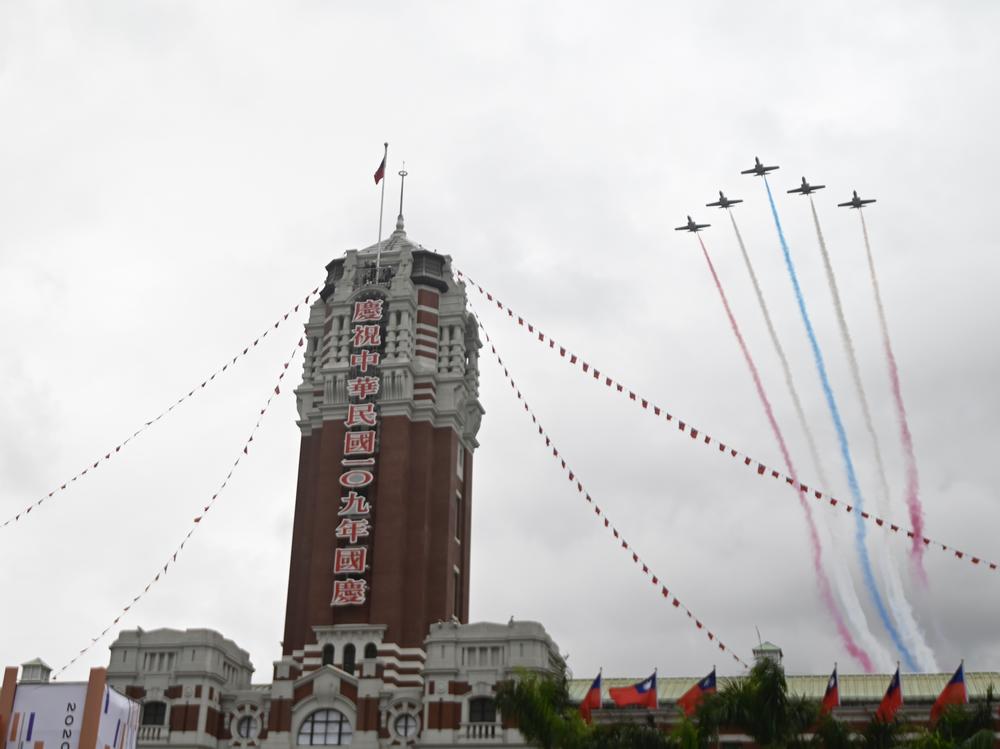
pixel 780 351
pixel 912 478
pixel 859 389
pixel 901 609
pixel 909 629
pixel 847 593
pixel 843 583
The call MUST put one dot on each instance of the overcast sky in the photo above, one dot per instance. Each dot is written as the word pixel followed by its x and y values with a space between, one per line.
pixel 174 175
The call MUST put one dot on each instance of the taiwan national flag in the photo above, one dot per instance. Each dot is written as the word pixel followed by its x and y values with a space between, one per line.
pixel 642 694
pixel 591 700
pixel 689 701
pixel 892 701
pixel 831 698
pixel 380 172
pixel 953 694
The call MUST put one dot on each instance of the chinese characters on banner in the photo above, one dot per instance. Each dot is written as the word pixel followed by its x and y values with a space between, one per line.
pixel 350 587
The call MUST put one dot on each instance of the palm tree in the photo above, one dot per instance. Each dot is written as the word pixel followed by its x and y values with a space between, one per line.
pixel 965 727
pixel 541 708
pixel 833 734
pixel 879 734
pixel 627 736
pixel 760 706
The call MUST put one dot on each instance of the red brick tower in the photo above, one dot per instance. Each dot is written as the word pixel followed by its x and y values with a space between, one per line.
pixel 389 411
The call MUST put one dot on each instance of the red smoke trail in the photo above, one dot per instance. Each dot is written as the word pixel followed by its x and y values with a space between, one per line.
pixel 912 479
pixel 826 595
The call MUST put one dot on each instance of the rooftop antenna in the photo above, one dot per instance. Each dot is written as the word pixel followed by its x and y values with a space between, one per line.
pixel 759 641
pixel 402 179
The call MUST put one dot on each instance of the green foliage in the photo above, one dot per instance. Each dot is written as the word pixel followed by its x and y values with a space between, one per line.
pixel 833 734
pixel 758 705
pixel 541 707
pixel 879 734
pixel 960 723
pixel 627 736
pixel 688 735
pixel 980 740
pixel 761 707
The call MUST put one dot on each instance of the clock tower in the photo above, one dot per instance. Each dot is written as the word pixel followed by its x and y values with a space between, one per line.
pixel 388 412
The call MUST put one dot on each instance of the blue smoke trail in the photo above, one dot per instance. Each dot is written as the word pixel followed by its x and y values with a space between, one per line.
pixel 845 452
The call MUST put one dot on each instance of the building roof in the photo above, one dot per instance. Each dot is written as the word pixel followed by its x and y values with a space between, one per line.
pixel 395 241
pixel 767 647
pixel 856 688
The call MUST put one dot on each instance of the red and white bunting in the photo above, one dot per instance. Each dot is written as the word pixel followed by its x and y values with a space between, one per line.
pixel 23 514
pixel 196 521
pixel 759 468
pixel 615 533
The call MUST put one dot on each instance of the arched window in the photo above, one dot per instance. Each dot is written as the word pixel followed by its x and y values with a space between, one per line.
pixel 350 657
pixel 482 710
pixel 154 713
pixel 325 728
pixel 328 655
pixel 371 651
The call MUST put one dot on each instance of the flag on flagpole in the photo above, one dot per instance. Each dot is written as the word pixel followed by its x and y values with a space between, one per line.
pixel 892 701
pixel 689 701
pixel 954 693
pixel 831 698
pixel 642 694
pixel 380 172
pixel 591 700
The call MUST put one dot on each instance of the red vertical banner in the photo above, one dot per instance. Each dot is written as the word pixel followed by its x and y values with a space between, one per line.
pixel 356 526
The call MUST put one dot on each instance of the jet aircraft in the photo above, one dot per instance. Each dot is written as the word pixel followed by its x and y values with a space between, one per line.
pixel 691 226
pixel 805 188
pixel 855 202
pixel 723 202
pixel 758 170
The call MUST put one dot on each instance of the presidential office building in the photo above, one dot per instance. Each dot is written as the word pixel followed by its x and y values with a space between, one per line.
pixel 377 648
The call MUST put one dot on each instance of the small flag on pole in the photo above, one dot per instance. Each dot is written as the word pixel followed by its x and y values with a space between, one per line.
pixel 831 698
pixel 380 172
pixel 642 694
pixel 689 701
pixel 953 694
pixel 592 700
pixel 892 701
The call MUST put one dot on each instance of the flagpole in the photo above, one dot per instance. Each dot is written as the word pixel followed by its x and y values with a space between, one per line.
pixel 381 206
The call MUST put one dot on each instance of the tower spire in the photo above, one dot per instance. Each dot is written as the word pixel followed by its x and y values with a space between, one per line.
pixel 402 180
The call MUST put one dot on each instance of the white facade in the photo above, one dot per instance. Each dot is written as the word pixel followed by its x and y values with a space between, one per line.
pixel 196 691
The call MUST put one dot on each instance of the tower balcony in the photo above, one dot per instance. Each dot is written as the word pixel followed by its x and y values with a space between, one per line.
pixel 369 275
